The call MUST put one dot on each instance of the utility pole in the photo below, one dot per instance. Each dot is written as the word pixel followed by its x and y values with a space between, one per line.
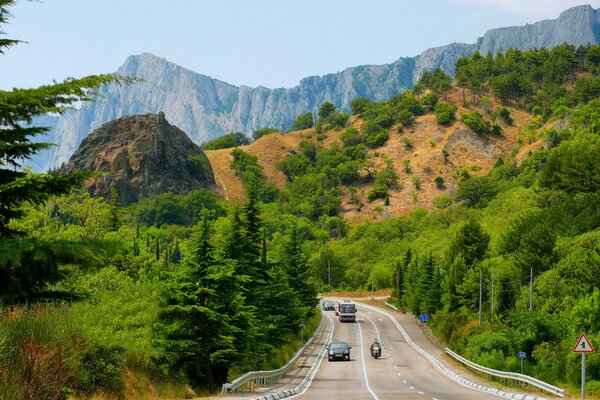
pixel 372 287
pixel 531 289
pixel 492 295
pixel 480 292
pixel 328 270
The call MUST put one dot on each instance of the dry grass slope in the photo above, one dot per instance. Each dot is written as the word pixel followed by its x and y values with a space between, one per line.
pixel 428 141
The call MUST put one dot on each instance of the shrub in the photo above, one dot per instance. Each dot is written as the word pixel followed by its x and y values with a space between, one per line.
pixel 439 182
pixel 476 122
pixel 430 100
pixel 101 370
pixel 405 117
pixel 444 113
pixel 442 201
pixel 338 120
pixel 504 115
pixel 417 182
pixel 406 166
pixel 378 191
pixel 233 139
pixel 359 105
pixel 304 121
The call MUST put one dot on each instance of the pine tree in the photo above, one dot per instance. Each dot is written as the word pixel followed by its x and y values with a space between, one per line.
pixel 202 321
pixel 18 107
pixel 27 266
pixel 297 270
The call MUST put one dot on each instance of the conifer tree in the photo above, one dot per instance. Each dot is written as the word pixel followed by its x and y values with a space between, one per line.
pixel 298 272
pixel 203 315
pixel 27 266
pixel 18 108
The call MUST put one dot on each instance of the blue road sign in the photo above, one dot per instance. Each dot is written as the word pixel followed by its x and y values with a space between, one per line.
pixel 522 354
pixel 424 317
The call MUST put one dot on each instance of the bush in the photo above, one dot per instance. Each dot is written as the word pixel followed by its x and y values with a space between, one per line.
pixel 439 182
pixel 504 115
pixel 378 191
pixel 430 100
pixel 101 370
pixel 405 117
pixel 359 105
pixel 442 201
pixel 233 139
pixel 476 122
pixel 351 137
pixel 416 182
pixel 304 121
pixel 444 113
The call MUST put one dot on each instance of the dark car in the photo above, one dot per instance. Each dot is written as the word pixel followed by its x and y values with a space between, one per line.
pixel 338 351
pixel 328 305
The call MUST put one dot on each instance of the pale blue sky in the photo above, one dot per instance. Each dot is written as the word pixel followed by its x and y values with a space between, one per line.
pixel 273 43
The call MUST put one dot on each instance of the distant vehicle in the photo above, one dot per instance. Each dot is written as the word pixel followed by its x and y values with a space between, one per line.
pixel 339 351
pixel 376 349
pixel 328 305
pixel 346 311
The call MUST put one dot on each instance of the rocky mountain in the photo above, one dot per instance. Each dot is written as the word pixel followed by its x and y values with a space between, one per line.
pixel 141 156
pixel 207 108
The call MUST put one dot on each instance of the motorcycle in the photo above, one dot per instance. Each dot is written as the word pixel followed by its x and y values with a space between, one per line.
pixel 375 350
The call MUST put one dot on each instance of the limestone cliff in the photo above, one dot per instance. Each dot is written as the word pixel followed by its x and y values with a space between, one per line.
pixel 207 108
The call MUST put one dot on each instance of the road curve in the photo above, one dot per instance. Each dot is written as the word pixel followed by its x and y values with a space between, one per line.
pixel 401 372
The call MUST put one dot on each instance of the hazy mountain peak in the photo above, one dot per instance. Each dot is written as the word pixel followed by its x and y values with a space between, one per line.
pixel 207 108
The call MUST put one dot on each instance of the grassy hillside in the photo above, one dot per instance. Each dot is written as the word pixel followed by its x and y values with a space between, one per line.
pixel 422 143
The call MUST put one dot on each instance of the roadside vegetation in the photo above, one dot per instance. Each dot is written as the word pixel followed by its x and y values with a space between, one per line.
pixel 178 294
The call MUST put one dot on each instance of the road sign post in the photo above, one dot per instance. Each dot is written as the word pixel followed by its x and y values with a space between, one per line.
pixel 583 346
pixel 522 356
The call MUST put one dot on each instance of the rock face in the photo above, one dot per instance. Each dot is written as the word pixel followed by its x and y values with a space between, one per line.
pixel 142 156
pixel 207 108
pixel 577 26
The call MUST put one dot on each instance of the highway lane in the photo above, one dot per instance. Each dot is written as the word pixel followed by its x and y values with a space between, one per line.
pixel 401 372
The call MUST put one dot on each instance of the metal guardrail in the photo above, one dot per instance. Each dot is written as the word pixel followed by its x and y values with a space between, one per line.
pixel 509 375
pixel 263 378
pixel 390 305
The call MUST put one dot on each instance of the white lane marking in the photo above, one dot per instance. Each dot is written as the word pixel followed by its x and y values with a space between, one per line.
pixel 411 387
pixel 433 398
pixel 403 381
pixel 436 363
pixel 399 374
pixel 395 367
pixel 420 392
pixel 332 326
pixel 362 354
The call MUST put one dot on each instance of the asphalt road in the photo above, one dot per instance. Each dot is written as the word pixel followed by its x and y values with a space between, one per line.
pixel 400 373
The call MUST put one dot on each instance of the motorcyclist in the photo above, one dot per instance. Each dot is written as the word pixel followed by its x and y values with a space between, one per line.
pixel 375 344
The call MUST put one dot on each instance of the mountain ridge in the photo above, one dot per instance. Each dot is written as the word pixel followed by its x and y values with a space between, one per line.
pixel 207 108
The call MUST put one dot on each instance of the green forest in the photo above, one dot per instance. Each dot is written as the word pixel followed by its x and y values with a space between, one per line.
pixel 185 292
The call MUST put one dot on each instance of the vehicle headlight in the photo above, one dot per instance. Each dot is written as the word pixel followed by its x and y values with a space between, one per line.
pixel 330 352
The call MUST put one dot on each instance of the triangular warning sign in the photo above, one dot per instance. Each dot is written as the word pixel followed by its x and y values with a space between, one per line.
pixel 583 345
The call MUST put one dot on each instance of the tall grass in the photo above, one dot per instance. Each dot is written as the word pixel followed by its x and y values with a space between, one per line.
pixel 39 353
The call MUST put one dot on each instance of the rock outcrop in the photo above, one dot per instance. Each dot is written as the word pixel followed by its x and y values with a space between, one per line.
pixel 207 108
pixel 141 156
